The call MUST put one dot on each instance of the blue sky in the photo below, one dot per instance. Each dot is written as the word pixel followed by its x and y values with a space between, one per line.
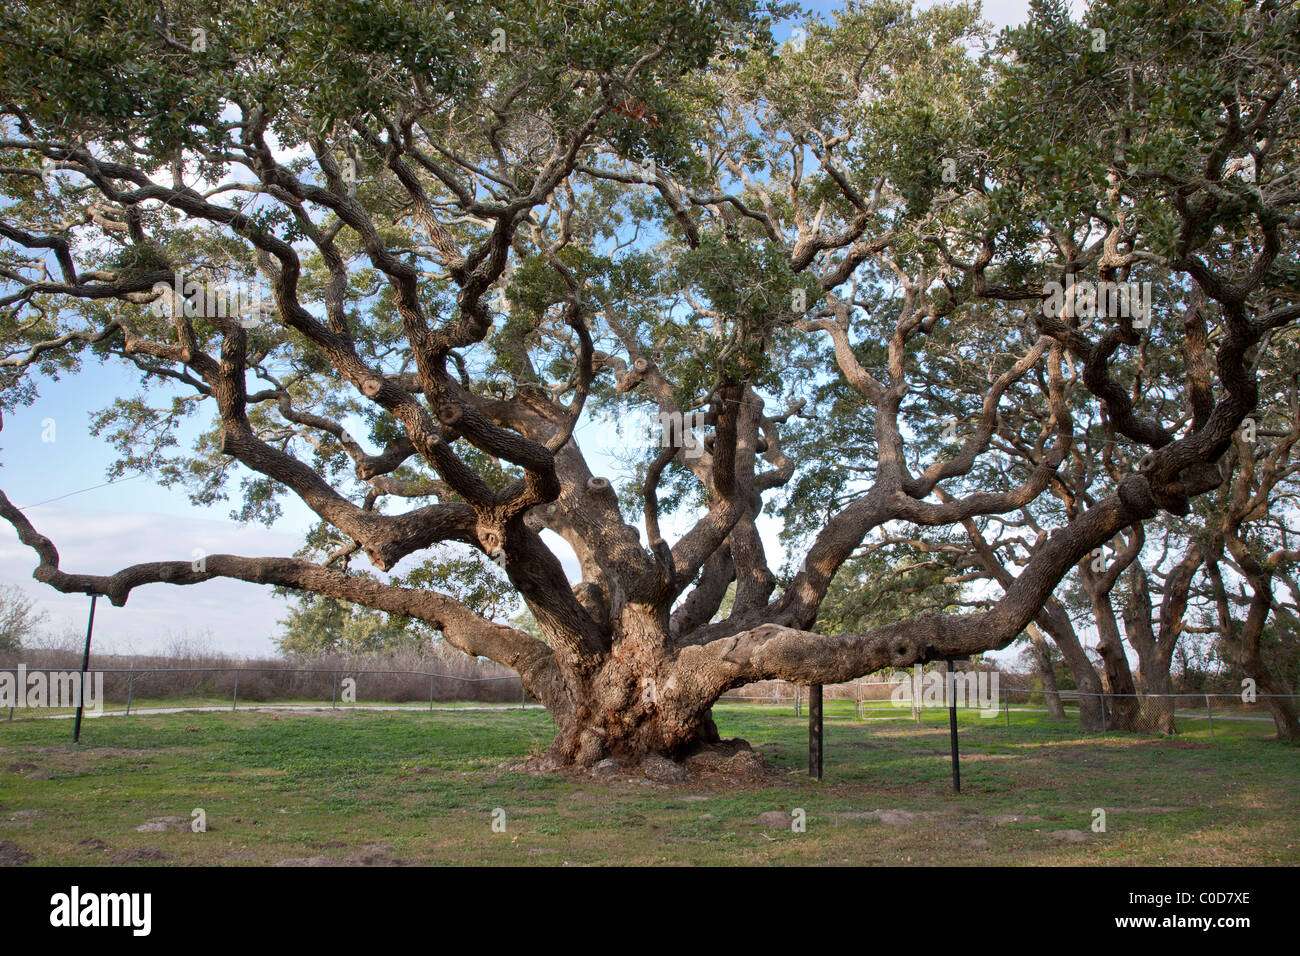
pixel 104 529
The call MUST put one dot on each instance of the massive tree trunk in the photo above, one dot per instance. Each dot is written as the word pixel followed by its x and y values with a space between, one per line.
pixel 634 702
pixel 626 714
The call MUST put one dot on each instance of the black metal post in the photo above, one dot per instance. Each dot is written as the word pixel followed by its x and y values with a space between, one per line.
pixel 815 731
pixel 952 727
pixel 85 666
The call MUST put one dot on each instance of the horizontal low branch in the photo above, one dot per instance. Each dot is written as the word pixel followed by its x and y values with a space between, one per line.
pixel 532 659
pixel 774 652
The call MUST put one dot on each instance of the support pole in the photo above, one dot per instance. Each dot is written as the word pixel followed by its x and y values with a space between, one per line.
pixel 815 731
pixel 234 701
pixel 952 727
pixel 1006 707
pixel 431 679
pixel 85 666
pixel 130 690
pixel 334 694
pixel 1210 715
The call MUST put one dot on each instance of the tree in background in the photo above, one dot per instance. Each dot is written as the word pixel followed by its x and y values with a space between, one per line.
pixel 883 584
pixel 325 625
pixel 19 618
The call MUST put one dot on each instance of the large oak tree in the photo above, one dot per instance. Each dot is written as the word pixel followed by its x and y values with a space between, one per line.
pixel 479 229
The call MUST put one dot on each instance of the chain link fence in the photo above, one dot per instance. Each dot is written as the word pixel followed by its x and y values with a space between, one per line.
pixel 1150 714
pixel 781 693
pixel 189 688
pixel 127 690
pixel 1143 714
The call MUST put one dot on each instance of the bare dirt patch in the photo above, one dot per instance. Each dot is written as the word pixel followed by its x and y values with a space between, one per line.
pixel 13 855
pixel 307 861
pixel 164 825
pixel 898 818
pixel 774 820
pixel 374 855
pixel 1069 836
pixel 141 855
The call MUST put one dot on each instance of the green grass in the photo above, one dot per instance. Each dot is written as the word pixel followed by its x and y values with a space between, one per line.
pixel 423 787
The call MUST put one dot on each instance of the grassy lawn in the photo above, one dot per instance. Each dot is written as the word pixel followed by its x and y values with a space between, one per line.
pixel 420 788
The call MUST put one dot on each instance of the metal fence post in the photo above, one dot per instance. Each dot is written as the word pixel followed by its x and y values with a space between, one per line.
pixel 334 694
pixel 431 692
pixel 523 696
pixel 85 669
pixel 950 688
pixel 130 690
pixel 797 710
pixel 1104 726
pixel 815 731
pixel 234 703
pixel 1210 715
pixel 1006 707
